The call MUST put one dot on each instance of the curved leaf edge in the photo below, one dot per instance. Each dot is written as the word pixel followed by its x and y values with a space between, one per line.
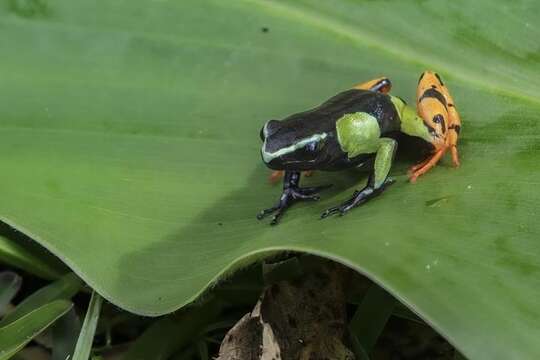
pixel 237 265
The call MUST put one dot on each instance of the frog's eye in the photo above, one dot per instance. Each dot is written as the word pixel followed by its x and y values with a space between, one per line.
pixel 313 146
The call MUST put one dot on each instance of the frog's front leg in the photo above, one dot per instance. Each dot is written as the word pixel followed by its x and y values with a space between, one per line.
pixel 278 174
pixel 292 192
pixel 378 180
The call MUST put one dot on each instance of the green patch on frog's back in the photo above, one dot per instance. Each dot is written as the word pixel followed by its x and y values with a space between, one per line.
pixel 358 133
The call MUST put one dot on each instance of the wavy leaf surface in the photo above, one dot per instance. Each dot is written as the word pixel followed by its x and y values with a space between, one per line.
pixel 130 149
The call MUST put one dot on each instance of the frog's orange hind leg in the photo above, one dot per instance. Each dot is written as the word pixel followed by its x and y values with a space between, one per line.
pixel 425 166
pixel 382 85
pixel 275 176
pixel 454 125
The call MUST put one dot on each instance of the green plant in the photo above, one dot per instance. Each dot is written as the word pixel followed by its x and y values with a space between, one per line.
pixel 130 149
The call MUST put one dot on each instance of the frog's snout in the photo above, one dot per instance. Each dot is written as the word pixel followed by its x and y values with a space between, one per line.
pixel 270 128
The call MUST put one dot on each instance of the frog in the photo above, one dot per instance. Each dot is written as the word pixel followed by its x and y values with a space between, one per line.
pixel 357 128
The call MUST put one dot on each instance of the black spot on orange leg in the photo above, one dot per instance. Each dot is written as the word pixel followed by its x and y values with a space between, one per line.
pixel 454 125
pixel 433 93
pixel 456 128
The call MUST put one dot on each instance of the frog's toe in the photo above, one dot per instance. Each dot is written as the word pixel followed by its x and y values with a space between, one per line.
pixel 314 190
pixel 288 197
pixel 341 209
pixel 261 215
pixel 301 194
pixel 277 216
pixel 358 198
pixel 330 211
pixel 278 210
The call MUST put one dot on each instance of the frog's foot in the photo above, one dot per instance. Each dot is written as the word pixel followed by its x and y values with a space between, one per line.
pixel 436 107
pixel 382 85
pixel 291 193
pixel 425 165
pixel 358 198
pixel 288 197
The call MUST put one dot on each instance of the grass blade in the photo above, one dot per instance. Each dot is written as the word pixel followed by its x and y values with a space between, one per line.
pixel 202 346
pixel 15 335
pixel 86 337
pixel 371 316
pixel 170 334
pixel 21 252
pixel 283 270
pixel 158 342
pixel 10 283
pixel 357 348
pixel 63 288
pixel 65 333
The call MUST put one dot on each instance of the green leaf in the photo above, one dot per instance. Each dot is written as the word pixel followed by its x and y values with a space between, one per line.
pixel 14 336
pixel 203 350
pixel 63 288
pixel 19 251
pixel 64 336
pixel 405 313
pixel 10 284
pixel 187 354
pixel 157 342
pixel 88 330
pixel 356 346
pixel 371 317
pixel 130 149
pixel 274 272
pixel 170 334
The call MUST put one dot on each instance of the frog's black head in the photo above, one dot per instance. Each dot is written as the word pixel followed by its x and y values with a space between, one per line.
pixel 288 146
pixel 270 128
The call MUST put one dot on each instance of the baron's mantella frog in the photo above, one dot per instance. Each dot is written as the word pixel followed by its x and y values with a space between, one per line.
pixel 353 128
